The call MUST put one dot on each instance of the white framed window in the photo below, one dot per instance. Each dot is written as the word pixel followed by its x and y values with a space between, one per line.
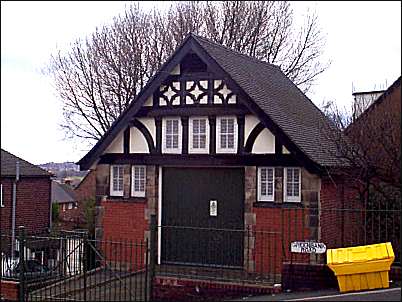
pixel 198 135
pixel 138 181
pixel 266 183
pixel 226 136
pixel 70 206
pixel 292 184
pixel 1 196
pixel 116 180
pixel 171 135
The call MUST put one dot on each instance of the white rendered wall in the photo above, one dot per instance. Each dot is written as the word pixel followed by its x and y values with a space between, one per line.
pixel 117 145
pixel 176 70
pixel 149 123
pixel 148 102
pixel 250 122
pixel 265 143
pixel 138 143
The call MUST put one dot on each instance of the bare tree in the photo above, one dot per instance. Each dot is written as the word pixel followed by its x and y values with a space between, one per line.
pixel 370 146
pixel 100 75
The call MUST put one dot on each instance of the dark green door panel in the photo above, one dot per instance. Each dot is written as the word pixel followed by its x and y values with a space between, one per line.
pixel 190 235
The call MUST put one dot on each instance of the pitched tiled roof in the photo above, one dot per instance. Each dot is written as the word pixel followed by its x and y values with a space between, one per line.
pixel 268 87
pixel 8 164
pixel 280 99
pixel 62 193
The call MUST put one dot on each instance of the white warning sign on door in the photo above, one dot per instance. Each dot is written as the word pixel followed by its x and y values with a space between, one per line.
pixel 213 208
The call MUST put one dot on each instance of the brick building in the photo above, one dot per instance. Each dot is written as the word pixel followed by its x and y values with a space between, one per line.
pixel 216 139
pixel 377 131
pixel 32 197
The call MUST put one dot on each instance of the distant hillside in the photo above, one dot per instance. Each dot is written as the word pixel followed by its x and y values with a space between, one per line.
pixel 63 170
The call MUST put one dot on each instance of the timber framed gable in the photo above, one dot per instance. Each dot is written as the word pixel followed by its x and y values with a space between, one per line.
pixel 192 83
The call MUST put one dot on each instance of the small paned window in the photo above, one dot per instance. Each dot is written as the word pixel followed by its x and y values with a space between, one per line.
pixel 116 180
pixel 292 184
pixel 227 134
pixel 199 135
pixel 266 179
pixel 138 181
pixel 171 135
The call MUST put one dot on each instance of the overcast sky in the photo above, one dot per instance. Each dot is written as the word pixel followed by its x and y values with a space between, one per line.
pixel 363 44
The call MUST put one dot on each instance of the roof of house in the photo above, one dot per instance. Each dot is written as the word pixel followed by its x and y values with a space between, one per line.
pixel 267 86
pixel 62 193
pixel 8 166
pixel 376 103
pixel 280 99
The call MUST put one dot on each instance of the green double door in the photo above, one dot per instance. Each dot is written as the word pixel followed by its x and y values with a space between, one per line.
pixel 203 216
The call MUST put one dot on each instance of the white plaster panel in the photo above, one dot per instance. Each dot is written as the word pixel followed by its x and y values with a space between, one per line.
pixel 232 99
pixel 217 100
pixel 265 143
pixel 285 151
pixel 149 123
pixel 148 102
pixel 176 70
pixel 117 145
pixel 176 100
pixel 138 143
pixel 250 122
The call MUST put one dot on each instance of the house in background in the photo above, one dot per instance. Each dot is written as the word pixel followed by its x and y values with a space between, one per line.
pixel 377 132
pixel 72 201
pixel 64 195
pixel 32 198
pixel 216 139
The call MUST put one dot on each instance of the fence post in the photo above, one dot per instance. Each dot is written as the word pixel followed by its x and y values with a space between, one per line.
pixel 152 252
pixel 85 252
pixel 21 247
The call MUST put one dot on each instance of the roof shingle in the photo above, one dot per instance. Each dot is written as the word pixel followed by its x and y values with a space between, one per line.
pixel 8 166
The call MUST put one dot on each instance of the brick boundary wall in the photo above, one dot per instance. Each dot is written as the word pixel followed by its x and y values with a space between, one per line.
pixel 178 289
pixel 302 276
pixel 9 290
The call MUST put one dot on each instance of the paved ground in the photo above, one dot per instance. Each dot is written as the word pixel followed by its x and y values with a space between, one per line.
pixel 390 294
pixel 102 285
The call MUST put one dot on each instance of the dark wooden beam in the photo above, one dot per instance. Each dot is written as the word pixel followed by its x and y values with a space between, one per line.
pixel 158 144
pixel 190 110
pixel 282 160
pixel 144 130
pixel 126 140
pixel 240 135
pixel 184 143
pixel 278 146
pixel 212 134
pixel 252 137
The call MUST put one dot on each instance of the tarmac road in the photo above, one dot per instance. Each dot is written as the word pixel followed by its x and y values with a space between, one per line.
pixel 389 294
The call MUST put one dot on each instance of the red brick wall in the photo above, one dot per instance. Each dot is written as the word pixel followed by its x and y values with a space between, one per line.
pixel 9 290
pixel 87 187
pixel 124 222
pixel 84 191
pixel 274 227
pixel 33 204
pixel 341 215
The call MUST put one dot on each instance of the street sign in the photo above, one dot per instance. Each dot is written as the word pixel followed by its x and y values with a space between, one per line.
pixel 308 247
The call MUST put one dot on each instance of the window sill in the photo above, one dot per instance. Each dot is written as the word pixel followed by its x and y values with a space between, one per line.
pixel 128 200
pixel 273 204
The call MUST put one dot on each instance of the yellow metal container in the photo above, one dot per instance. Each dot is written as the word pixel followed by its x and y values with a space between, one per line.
pixel 361 267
